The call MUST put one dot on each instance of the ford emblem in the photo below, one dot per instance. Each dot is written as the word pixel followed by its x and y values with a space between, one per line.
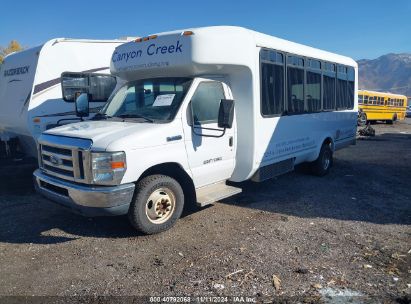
pixel 55 160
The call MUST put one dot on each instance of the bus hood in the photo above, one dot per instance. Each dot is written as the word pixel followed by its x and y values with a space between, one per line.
pixel 119 136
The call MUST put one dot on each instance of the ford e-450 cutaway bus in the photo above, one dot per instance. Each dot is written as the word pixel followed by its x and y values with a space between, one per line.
pixel 200 107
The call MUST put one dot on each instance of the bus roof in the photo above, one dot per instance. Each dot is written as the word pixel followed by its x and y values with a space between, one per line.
pixel 268 41
pixel 204 51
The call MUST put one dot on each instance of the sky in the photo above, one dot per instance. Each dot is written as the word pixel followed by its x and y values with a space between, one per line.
pixel 361 29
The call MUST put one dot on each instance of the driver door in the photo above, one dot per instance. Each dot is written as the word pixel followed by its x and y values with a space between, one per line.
pixel 210 150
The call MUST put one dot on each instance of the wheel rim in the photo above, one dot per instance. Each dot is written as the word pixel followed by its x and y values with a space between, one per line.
pixel 326 160
pixel 160 205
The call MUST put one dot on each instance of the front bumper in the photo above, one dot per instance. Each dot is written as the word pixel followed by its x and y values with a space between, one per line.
pixel 84 199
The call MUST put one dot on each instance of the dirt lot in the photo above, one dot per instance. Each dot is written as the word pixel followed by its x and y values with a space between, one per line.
pixel 344 237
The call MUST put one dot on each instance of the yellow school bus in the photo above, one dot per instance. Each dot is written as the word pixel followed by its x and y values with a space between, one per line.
pixel 374 106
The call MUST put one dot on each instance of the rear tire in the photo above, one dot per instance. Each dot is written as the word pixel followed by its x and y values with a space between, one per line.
pixel 157 204
pixel 322 165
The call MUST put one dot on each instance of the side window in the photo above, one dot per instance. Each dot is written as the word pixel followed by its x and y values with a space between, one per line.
pixel 360 97
pixel 205 102
pixel 342 88
pixel 351 83
pixel 329 87
pixel 313 89
pixel 272 89
pixel 272 82
pixel 295 85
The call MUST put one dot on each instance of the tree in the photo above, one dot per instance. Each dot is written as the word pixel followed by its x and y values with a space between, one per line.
pixel 14 46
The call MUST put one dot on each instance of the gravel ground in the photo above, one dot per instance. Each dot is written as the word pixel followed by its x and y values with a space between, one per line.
pixel 343 237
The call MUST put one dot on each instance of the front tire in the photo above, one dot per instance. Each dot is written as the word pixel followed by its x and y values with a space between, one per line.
pixel 322 165
pixel 157 204
pixel 394 118
pixel 362 119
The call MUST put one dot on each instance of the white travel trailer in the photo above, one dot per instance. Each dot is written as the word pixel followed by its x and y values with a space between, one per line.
pixel 200 107
pixel 31 98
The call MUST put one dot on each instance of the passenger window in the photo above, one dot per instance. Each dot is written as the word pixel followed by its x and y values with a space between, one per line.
pixel 205 102
pixel 313 91
pixel 342 88
pixel 272 89
pixel 329 89
pixel 295 90
pixel 351 83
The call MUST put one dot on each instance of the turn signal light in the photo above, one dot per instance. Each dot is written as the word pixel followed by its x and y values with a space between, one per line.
pixel 188 33
pixel 138 39
pixel 117 165
pixel 152 37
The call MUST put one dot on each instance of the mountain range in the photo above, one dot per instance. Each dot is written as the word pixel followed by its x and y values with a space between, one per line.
pixel 387 73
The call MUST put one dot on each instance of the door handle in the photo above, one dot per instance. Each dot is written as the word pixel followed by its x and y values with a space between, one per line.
pixel 230 141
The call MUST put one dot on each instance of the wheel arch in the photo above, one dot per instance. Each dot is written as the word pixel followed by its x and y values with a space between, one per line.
pixel 328 140
pixel 316 151
pixel 176 171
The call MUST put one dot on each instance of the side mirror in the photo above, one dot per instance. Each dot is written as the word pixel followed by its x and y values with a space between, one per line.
pixel 82 104
pixel 226 113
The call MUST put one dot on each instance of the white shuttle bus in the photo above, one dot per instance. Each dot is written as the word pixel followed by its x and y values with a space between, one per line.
pixel 200 107
pixel 31 81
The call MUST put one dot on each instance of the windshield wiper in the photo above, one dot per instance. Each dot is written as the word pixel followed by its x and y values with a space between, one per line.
pixel 135 116
pixel 101 116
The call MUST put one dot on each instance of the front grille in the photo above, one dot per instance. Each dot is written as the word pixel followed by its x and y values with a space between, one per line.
pixel 66 158
pixel 61 151
pixel 58 161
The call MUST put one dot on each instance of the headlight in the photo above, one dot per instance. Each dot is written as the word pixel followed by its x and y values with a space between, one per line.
pixel 108 167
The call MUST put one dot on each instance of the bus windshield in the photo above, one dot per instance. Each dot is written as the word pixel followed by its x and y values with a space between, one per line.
pixel 155 100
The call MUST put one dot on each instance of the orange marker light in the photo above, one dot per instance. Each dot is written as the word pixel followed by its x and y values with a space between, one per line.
pixel 188 33
pixel 152 37
pixel 117 165
pixel 138 39
pixel 145 38
pixel 36 120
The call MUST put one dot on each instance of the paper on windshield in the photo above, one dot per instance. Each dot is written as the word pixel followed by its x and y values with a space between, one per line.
pixel 163 100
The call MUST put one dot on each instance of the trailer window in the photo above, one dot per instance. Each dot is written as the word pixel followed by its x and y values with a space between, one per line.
pixel 98 85
pixel 205 102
